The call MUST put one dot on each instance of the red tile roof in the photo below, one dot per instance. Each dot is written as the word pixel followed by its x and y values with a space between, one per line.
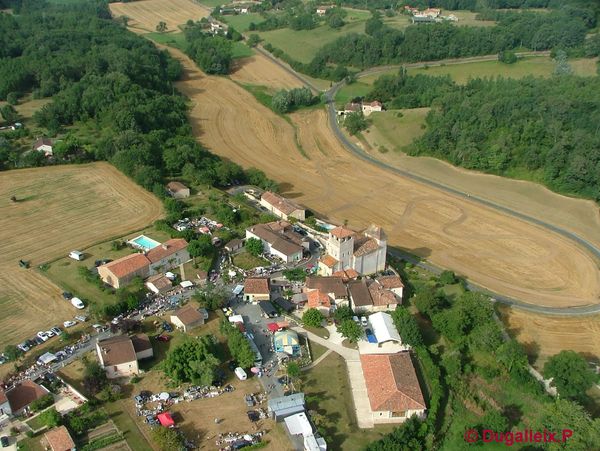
pixel 346 274
pixel 328 261
pixel 390 282
pixel 280 203
pixel 141 342
pixel 256 286
pixel 127 265
pixel 381 296
pixel 364 247
pixel 24 394
pixel 318 299
pixel 333 285
pixel 59 439
pixel 392 383
pixel 341 232
pixel 167 248
pixel 279 235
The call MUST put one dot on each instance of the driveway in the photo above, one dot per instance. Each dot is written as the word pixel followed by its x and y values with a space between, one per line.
pixel 362 407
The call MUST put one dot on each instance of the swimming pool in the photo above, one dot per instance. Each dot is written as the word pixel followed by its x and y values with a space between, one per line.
pixel 325 225
pixel 144 243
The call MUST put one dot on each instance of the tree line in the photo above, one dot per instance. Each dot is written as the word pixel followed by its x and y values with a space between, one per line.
pixel 113 86
pixel 564 28
pixel 543 129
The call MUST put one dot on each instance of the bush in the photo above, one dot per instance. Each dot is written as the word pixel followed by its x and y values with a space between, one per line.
pixel 50 418
pixel 312 318
pixel 42 403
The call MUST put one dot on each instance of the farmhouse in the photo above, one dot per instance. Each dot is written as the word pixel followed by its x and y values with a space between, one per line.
pixel 363 252
pixel 279 239
pixel 281 206
pixel 178 190
pixel 186 318
pixel 122 271
pixel 322 10
pixel 257 289
pixel 392 283
pixel 20 396
pixel 370 107
pixel 58 439
pixel 43 145
pixel 168 255
pixel 119 355
pixel 392 387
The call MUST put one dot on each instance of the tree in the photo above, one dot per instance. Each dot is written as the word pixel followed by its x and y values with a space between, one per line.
pixel 343 313
pixel 94 377
pixel 512 356
pixel 12 352
pixel 211 297
pixel 355 123
pixel 238 345
pixel 570 373
pixel 202 247
pixel 312 317
pixel 50 418
pixel 448 278
pixel 254 246
pixel 253 40
pixel 351 330
pixel 9 113
pixel 429 301
pixel 407 326
pixel 562 65
pixel 281 102
pixel 564 414
pixel 161 27
pixel 167 439
pixel 296 274
pixel 507 57
pixel 13 98
pixel 192 361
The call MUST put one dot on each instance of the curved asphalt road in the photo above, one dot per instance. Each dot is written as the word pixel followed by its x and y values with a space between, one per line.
pixel 354 149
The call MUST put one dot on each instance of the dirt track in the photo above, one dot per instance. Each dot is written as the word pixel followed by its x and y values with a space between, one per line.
pixel 499 252
pixel 61 208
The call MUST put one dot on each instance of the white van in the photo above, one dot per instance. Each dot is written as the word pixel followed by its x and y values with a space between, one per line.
pixel 76 255
pixel 77 303
pixel 241 374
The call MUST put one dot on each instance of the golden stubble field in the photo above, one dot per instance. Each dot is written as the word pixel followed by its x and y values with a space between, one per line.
pixel 500 252
pixel 59 209
pixel 145 15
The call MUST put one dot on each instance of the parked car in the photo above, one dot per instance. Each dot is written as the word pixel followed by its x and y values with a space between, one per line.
pixel 23 347
pixel 43 335
pixel 163 337
pixel 56 330
pixel 69 323
pixel 81 318
pixel 77 303
pixel 66 295
pixel 4 441
pixel 167 327
pixel 50 333
pixel 363 321
pixel 98 327
pixel 356 320
pixel 249 400
pixel 33 342
pixel 240 373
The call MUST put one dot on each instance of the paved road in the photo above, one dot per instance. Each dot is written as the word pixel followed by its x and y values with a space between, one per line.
pixel 360 153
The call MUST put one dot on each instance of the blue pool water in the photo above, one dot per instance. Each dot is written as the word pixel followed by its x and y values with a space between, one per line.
pixel 145 243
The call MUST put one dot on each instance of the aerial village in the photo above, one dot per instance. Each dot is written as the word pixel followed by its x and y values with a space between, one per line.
pixel 315 276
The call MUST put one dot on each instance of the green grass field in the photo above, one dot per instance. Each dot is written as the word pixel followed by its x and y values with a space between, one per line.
pixel 328 385
pixel 248 261
pixel 212 3
pixel 241 50
pixel 393 132
pixel 176 40
pixel 241 22
pixel 302 45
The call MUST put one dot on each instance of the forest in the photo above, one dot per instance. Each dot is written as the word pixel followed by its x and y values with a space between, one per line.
pixel 112 93
pixel 547 130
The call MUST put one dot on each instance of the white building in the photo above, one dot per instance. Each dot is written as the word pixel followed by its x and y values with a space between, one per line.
pixel 279 239
pixel 370 107
pixel 364 252
pixel 282 207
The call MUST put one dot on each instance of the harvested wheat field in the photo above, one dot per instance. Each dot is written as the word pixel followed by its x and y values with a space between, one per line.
pixel 499 252
pixel 544 335
pixel 260 70
pixel 58 209
pixel 145 15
